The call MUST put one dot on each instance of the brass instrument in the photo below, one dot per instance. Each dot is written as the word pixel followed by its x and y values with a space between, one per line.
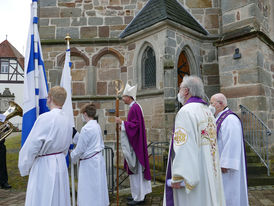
pixel 7 127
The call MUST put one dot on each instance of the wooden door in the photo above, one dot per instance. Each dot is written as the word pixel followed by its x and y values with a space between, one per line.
pixel 182 68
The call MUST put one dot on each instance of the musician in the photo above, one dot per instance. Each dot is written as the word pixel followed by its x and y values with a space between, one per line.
pixel 3 166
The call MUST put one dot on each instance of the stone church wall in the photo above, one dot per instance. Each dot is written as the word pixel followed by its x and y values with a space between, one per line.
pixel 239 13
pixel 85 19
pixel 248 80
pixel 99 56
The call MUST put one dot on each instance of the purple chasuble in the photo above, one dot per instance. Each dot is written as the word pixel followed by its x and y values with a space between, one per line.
pixel 136 132
pixel 169 190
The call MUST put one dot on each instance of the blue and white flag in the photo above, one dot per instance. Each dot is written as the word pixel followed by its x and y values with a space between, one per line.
pixel 35 81
pixel 66 83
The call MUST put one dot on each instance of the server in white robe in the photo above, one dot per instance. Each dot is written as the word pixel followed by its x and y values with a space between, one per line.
pixel 42 156
pixel 193 165
pixel 232 152
pixel 92 180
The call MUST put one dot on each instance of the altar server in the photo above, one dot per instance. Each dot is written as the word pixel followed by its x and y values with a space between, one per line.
pixel 92 180
pixel 42 156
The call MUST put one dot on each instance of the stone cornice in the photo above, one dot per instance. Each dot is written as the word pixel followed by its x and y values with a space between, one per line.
pixel 83 41
pixel 244 33
pixel 142 94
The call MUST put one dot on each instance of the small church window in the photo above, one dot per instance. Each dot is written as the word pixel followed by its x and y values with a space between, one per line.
pixel 4 67
pixel 148 68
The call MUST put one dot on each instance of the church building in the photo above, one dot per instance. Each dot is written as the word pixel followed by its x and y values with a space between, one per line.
pixel 154 43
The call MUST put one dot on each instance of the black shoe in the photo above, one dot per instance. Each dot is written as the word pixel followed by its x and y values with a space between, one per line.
pixel 5 186
pixel 129 198
pixel 133 202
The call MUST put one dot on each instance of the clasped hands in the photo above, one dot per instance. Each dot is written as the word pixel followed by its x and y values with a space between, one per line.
pixel 176 185
pixel 118 120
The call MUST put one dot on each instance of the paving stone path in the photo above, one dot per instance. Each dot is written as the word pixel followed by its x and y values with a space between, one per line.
pixel 258 196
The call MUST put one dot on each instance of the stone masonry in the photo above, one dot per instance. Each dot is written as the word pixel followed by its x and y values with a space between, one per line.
pixel 100 56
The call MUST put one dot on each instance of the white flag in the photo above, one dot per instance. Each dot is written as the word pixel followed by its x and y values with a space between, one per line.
pixel 66 83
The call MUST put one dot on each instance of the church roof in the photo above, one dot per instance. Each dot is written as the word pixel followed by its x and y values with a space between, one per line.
pixel 156 11
pixel 9 51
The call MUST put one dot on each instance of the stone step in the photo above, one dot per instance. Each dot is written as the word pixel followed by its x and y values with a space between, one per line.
pixel 256 169
pixel 252 157
pixel 255 180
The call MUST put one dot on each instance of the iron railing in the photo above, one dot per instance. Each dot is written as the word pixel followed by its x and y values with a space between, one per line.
pixel 124 171
pixel 159 151
pixel 109 155
pixel 256 135
pixel 158 155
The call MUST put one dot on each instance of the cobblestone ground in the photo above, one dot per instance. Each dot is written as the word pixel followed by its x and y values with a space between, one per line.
pixel 258 196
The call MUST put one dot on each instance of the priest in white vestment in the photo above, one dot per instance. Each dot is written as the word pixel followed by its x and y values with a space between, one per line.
pixel 193 165
pixel 92 179
pixel 232 152
pixel 42 156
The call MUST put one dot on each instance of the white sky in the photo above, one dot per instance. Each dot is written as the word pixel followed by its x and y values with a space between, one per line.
pixel 14 22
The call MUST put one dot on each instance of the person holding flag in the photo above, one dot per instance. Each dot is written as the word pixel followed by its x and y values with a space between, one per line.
pixel 92 178
pixel 45 139
pixel 42 157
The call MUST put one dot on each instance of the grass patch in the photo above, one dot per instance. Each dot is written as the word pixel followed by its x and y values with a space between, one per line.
pixel 13 145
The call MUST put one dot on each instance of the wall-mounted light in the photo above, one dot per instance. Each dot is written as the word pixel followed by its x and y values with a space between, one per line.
pixel 237 54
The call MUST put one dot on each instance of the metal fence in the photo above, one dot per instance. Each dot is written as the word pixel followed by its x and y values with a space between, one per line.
pixel 158 156
pixel 159 153
pixel 109 155
pixel 256 135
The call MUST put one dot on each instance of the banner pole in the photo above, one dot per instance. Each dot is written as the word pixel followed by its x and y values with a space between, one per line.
pixel 119 86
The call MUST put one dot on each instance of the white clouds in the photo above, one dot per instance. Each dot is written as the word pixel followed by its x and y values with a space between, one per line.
pixel 15 18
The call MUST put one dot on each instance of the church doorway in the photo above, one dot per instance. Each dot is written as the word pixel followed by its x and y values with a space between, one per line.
pixel 182 68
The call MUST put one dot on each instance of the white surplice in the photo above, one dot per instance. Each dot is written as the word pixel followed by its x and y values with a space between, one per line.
pixel 48 183
pixel 92 180
pixel 232 157
pixel 195 158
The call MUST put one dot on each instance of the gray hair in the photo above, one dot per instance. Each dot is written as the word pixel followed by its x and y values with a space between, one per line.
pixel 195 85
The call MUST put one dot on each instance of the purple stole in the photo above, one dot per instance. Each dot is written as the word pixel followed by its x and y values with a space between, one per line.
pixel 222 118
pixel 219 124
pixel 169 190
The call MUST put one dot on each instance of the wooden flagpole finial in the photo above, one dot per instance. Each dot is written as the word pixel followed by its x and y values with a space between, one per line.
pixel 67 38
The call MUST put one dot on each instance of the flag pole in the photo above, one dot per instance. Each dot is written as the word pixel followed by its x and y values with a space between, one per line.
pixel 36 69
pixel 67 38
pixel 119 86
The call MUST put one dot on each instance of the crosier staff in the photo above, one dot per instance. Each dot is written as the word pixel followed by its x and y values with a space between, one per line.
pixel 119 87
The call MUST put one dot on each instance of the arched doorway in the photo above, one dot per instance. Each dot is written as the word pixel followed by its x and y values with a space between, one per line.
pixel 182 68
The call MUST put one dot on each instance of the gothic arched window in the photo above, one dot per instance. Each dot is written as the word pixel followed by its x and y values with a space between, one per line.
pixel 148 68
